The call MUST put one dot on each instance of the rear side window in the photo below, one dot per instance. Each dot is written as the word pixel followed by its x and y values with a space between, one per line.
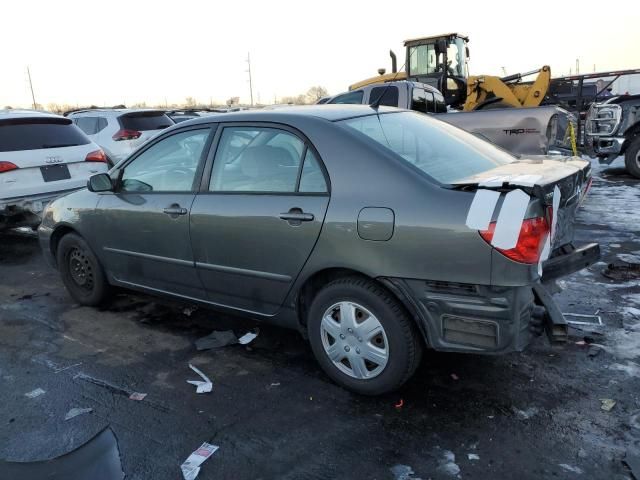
pixel 36 134
pixel 443 152
pixel 349 98
pixel 89 125
pixel 389 96
pixel 142 121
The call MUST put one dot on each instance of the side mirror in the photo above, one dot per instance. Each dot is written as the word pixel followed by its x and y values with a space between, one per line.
pixel 100 183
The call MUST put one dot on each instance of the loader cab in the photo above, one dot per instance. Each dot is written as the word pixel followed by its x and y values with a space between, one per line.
pixel 440 61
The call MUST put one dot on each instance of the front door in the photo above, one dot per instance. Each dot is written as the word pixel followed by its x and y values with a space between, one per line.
pixel 144 225
pixel 255 226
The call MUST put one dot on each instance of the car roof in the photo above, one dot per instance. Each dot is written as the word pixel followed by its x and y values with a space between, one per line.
pixel 331 113
pixel 114 111
pixel 7 114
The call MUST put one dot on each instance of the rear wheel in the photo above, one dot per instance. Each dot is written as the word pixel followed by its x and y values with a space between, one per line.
pixel 81 271
pixel 632 157
pixel 362 337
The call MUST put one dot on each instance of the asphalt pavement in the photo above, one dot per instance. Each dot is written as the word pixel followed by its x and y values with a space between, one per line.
pixel 532 415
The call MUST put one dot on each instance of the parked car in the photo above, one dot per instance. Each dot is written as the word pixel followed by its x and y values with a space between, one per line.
pixel 522 131
pixel 182 115
pixel 119 131
pixel 42 156
pixel 348 223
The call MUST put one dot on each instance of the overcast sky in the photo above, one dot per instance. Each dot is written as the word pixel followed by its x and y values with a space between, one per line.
pixel 109 52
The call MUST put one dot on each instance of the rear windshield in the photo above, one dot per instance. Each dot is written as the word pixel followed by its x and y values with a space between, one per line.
pixel 442 151
pixel 142 121
pixel 36 134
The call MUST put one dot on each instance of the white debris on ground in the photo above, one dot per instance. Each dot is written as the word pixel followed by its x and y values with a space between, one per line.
pixel 448 464
pixel 403 472
pixel 247 338
pixel 203 386
pixel 473 456
pixel 525 414
pixel 35 393
pixel 191 466
pixel 569 468
pixel 74 412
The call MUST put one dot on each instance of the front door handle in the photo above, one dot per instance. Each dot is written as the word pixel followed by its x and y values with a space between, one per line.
pixel 296 216
pixel 175 210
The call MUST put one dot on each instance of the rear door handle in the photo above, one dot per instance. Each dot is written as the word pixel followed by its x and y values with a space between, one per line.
pixel 174 210
pixel 296 216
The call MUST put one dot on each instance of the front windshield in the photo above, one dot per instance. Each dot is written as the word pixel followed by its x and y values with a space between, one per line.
pixel 442 151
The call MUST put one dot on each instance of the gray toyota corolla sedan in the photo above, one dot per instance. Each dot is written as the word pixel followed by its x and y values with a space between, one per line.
pixel 375 233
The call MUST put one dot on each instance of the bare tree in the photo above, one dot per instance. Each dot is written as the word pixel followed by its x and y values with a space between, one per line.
pixel 316 93
pixel 190 102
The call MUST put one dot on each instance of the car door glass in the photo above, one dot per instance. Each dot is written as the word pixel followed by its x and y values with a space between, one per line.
pixel 88 125
pixel 167 166
pixel 269 161
pixel 312 179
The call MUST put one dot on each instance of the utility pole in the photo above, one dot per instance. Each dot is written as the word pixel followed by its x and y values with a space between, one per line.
pixel 33 97
pixel 577 66
pixel 250 81
pixel 504 71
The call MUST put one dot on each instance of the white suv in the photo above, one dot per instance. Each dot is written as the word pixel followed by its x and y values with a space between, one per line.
pixel 119 131
pixel 42 156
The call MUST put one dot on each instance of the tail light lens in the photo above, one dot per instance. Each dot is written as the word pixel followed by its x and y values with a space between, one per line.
pixel 96 156
pixel 533 233
pixel 7 167
pixel 126 134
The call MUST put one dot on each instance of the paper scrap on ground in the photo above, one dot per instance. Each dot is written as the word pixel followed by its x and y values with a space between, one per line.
pixel 74 412
pixel 481 210
pixel 510 220
pixel 35 393
pixel 216 339
pixel 137 396
pixel 191 466
pixel 247 338
pixel 607 404
pixel 201 386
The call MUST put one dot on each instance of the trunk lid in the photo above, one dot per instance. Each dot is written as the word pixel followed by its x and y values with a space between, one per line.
pixel 538 176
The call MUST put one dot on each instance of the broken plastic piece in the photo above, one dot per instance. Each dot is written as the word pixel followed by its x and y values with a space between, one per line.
pixel 585 319
pixel 137 396
pixel 607 404
pixel 191 466
pixel 35 393
pixel 473 456
pixel 247 338
pixel 74 412
pixel 400 404
pixel 216 339
pixel 204 386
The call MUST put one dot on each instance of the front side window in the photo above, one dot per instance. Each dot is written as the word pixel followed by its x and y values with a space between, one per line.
pixel 440 150
pixel 264 160
pixel 167 166
pixel 349 98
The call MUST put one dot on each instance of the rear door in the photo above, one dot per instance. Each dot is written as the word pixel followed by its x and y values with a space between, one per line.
pixel 143 235
pixel 42 155
pixel 258 215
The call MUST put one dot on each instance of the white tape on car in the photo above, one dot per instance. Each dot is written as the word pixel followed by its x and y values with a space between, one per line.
pixel 481 210
pixel 556 206
pixel 546 250
pixel 510 219
pixel 525 180
pixel 495 181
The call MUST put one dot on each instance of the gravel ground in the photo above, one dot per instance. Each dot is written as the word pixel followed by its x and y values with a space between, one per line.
pixel 274 414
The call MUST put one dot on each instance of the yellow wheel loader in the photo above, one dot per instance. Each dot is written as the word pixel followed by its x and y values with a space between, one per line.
pixel 441 61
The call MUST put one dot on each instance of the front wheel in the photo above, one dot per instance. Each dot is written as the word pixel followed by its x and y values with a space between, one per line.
pixel 81 271
pixel 362 337
pixel 632 157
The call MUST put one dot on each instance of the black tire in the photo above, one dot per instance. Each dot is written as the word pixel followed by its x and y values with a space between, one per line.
pixel 81 271
pixel 404 342
pixel 632 157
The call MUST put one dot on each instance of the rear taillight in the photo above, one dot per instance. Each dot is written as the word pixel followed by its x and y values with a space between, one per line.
pixel 126 134
pixel 96 156
pixel 533 234
pixel 7 167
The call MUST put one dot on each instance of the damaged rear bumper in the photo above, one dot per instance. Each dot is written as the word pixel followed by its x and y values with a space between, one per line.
pixel 26 211
pixel 468 318
pixel 570 262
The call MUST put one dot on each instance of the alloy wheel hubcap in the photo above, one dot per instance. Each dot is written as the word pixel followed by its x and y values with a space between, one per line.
pixel 354 340
pixel 80 269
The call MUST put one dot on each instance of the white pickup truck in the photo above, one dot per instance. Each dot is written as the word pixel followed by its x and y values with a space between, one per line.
pixel 523 131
